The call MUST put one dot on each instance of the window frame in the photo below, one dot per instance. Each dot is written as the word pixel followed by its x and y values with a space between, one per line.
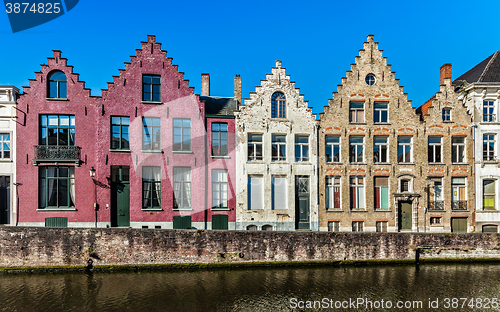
pixel 302 148
pixel 58 84
pixel 489 111
pixel 333 190
pixel 356 113
pixel 43 187
pixel 403 146
pixel 357 226
pixel 332 146
pixel 150 86
pixel 154 186
pixel 254 145
pixel 354 147
pixel 5 146
pixel 333 226
pixel 274 200
pixel 491 196
pixel 435 193
pixel 435 149
pixel 222 189
pixel 489 147
pixel 122 126
pixel 250 186
pixel 381 147
pixel 181 146
pixel 378 113
pixel 381 226
pixel 446 114
pixel 455 149
pixel 218 136
pixel 180 186
pixel 278 105
pixel 278 148
pixel 71 130
pixel 379 189
pixel 151 131
pixel 359 202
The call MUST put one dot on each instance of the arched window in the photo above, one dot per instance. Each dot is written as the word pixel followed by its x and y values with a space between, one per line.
pixel 278 105
pixel 57 85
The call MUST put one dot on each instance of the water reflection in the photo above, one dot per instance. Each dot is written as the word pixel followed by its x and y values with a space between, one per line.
pixel 245 290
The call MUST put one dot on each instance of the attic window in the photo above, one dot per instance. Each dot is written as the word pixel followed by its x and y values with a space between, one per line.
pixel 57 85
pixel 370 79
pixel 278 105
pixel 446 114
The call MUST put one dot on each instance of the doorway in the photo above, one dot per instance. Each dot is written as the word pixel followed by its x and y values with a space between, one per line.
pixel 302 210
pixel 405 215
pixel 120 196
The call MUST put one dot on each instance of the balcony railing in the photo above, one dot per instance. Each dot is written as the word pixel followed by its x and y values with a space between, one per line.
pixel 44 153
pixel 459 205
pixel 489 117
pixel 436 205
pixel 489 157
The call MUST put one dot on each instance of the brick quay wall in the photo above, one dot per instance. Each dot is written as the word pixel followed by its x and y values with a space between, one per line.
pixel 65 248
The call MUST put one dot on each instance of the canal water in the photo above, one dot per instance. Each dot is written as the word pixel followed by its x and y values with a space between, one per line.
pixel 457 287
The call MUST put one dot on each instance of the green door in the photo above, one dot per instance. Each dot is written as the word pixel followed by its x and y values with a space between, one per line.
pixel 302 203
pixel 459 225
pixel 220 222
pixel 120 196
pixel 405 216
pixel 182 222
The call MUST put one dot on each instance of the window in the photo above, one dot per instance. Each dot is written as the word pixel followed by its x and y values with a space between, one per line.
pixel 182 222
pixel 151 85
pixel 151 133
pixel 381 226
pixel 404 149
pixel 332 150
pixel 488 109
pixel 333 226
pixel 381 112
pixel 458 194
pixel 490 228
pixel 301 148
pixel 278 147
pixel 380 149
pixel 446 114
pixel 435 220
pixel 278 186
pixel 404 185
pixel 435 193
pixel 252 228
pixel 356 149
pixel 57 85
pixel 182 187
pixel 488 147
pixel 357 112
pixel 434 150
pixel 255 192
pixel 357 193
pixel 254 146
pixel 332 200
pixel 151 187
pixel 219 188
pixel 4 146
pixel 57 130
pixel 267 227
pixel 182 135
pixel 120 133
pixel 357 226
pixel 57 187
pixel 381 192
pixel 458 149
pixel 278 105
pixel 370 79
pixel 489 194
pixel 219 139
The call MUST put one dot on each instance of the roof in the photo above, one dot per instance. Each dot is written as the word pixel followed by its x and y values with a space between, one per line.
pixel 424 108
pixel 223 106
pixel 486 71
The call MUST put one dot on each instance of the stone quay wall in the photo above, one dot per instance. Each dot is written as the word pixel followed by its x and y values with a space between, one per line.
pixel 30 247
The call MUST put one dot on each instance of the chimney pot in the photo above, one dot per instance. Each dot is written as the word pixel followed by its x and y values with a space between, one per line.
pixel 445 72
pixel 205 84
pixel 237 88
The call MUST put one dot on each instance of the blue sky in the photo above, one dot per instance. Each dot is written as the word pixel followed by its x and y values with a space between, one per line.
pixel 316 40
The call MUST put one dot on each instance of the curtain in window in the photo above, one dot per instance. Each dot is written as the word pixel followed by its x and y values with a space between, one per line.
pixel 52 199
pixel 187 187
pixel 146 184
pixel 157 178
pixel 72 186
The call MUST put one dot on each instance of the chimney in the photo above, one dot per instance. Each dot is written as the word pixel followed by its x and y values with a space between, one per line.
pixel 237 88
pixel 205 84
pixel 445 72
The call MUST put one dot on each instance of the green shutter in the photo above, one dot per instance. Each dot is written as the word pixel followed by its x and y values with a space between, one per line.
pixel 56 222
pixel 459 225
pixel 220 222
pixel 182 222
pixel 384 197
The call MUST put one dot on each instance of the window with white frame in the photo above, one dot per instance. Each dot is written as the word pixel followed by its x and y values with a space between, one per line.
pixel 357 226
pixel 405 184
pixel 404 149
pixel 278 192
pixel 333 226
pixel 381 226
pixel 381 189
pixel 435 194
pixel 435 220
pixel 332 150
pixel 446 114
pixel 356 149
pixel 356 112
pixel 254 146
pixel 219 139
pixel 182 187
pixel 151 187
pixel 489 194
pixel 301 148
pixel 458 194
pixel 380 149
pixel 357 196
pixel 182 135
pixel 332 198
pixel 219 188
pixel 381 112
pixel 151 134
pixel 458 149
pixel 278 147
pixel 255 192
pixel 489 147
pixel 434 149
pixel 278 105
pixel 4 146
pixel 488 111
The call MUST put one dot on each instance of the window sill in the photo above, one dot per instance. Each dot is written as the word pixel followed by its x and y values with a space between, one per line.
pixel 382 163
pixel 220 209
pixel 260 161
pixel 182 152
pixel 303 162
pixel 120 150
pixel 220 157
pixel 151 209
pixel 383 210
pixel 152 102
pixel 436 163
pixel 335 163
pixel 357 163
pixel 460 163
pixel 151 151
pixel 5 160
pixel 382 123
pixel 57 209
pixel 357 123
pixel 358 210
pixel 334 210
pixel 182 209
pixel 448 121
pixel 406 163
pixel 57 99
pixel 279 162
pixel 491 161
pixel 435 210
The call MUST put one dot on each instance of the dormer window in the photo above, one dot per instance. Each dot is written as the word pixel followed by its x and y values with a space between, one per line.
pixel 57 85
pixel 446 114
pixel 278 105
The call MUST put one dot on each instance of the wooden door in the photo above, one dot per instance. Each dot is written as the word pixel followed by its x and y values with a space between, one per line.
pixel 120 196
pixel 405 216
pixel 302 210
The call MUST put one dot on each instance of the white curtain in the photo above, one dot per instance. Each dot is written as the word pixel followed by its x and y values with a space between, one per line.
pixel 187 187
pixel 157 178
pixel 72 186
pixel 50 184
pixel 146 177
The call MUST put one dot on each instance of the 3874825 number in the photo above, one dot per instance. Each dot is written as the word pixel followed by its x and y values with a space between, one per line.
pixel 474 303
pixel 41 8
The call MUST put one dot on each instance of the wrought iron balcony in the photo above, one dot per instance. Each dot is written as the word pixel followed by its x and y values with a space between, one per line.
pixel 489 157
pixel 489 117
pixel 436 205
pixel 52 153
pixel 459 205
